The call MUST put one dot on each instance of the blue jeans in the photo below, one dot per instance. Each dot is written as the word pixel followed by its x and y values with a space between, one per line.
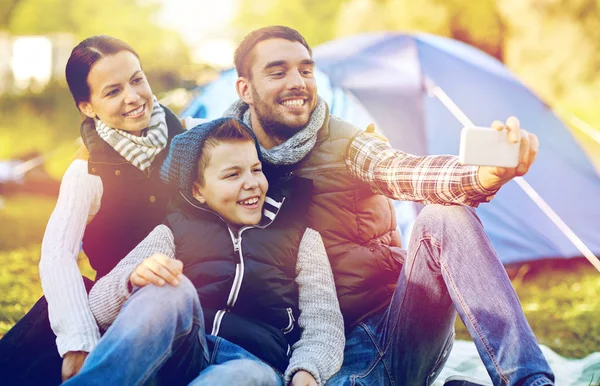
pixel 232 365
pixel 450 267
pixel 159 334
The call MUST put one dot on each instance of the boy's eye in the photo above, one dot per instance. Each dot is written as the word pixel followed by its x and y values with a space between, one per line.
pixel 231 175
pixel 257 170
pixel 137 80
pixel 112 92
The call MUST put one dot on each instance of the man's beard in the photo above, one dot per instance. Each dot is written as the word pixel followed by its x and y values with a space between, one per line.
pixel 267 118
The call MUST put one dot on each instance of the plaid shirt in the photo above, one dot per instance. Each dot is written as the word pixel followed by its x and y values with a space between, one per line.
pixel 401 176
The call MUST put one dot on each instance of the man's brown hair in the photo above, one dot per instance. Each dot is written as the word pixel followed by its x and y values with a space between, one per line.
pixel 242 56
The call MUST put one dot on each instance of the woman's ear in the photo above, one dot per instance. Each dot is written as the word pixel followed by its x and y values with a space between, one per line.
pixel 86 108
pixel 197 193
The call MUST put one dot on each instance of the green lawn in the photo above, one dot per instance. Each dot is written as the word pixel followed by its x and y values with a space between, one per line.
pixel 560 298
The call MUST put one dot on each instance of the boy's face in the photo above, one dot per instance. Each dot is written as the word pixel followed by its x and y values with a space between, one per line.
pixel 234 185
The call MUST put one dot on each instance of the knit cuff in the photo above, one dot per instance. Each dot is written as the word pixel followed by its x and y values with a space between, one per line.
pixel 308 367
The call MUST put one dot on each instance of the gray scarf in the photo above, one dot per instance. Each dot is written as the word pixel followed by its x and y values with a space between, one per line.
pixel 140 151
pixel 294 149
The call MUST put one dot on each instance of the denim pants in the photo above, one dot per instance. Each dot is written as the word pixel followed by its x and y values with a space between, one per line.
pixel 450 267
pixel 159 335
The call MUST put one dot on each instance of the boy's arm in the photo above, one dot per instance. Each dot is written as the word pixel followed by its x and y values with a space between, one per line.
pixel 320 349
pixel 109 293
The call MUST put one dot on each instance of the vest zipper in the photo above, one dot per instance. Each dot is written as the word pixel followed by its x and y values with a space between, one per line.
pixel 239 267
pixel 237 280
pixel 290 325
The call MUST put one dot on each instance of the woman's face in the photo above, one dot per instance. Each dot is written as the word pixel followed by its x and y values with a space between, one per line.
pixel 119 93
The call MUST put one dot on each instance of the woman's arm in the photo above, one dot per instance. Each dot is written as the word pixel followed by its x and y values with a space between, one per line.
pixel 70 316
pixel 320 349
pixel 110 293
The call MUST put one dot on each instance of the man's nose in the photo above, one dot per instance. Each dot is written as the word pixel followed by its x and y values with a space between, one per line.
pixel 296 81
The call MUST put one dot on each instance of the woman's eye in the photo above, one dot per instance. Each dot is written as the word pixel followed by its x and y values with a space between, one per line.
pixel 231 175
pixel 257 170
pixel 113 92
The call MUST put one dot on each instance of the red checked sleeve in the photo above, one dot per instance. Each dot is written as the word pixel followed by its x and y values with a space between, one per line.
pixel 401 176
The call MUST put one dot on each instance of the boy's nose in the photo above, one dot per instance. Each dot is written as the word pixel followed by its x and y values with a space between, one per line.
pixel 251 183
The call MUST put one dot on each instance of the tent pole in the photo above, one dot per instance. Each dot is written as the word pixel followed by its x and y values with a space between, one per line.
pixel 524 185
pixel 583 126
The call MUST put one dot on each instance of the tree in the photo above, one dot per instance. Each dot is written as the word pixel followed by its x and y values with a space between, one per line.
pixel 6 10
pixel 314 19
pixel 132 21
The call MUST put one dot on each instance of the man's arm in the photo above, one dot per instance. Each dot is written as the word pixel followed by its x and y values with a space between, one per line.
pixel 401 176
pixel 109 293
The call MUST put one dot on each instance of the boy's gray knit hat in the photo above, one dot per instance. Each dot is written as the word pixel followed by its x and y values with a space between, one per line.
pixel 179 168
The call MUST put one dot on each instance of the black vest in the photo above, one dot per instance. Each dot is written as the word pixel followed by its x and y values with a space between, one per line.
pixel 132 203
pixel 246 280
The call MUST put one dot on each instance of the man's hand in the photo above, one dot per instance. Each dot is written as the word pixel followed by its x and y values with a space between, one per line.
pixel 72 362
pixel 303 378
pixel 492 177
pixel 157 269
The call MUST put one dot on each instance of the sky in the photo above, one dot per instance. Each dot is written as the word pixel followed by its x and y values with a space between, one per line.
pixel 203 25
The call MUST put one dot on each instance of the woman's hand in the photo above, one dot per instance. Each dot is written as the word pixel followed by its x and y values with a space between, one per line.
pixel 303 378
pixel 72 362
pixel 157 269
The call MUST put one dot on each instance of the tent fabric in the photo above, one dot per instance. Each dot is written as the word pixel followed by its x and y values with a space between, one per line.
pixel 386 78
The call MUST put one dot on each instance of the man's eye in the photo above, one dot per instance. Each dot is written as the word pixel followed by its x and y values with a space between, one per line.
pixel 137 80
pixel 112 92
pixel 307 72
pixel 277 74
pixel 257 170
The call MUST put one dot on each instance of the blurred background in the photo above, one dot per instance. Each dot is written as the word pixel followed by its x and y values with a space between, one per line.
pixel 553 46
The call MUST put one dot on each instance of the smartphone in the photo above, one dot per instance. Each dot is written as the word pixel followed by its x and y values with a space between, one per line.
pixel 484 146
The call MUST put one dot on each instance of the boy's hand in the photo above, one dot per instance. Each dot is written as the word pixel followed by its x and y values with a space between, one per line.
pixel 303 378
pixel 72 362
pixel 157 269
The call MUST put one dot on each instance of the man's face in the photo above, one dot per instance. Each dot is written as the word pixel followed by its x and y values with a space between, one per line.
pixel 282 87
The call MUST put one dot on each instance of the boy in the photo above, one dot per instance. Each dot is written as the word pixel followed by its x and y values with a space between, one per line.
pixel 261 275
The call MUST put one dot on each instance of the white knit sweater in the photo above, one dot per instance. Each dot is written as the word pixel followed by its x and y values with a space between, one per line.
pixel 70 315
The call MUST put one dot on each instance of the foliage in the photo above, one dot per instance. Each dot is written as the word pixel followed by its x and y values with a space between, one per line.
pixel 24 220
pixel 132 21
pixel 315 19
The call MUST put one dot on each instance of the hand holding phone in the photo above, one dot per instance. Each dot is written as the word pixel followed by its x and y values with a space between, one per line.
pixel 485 146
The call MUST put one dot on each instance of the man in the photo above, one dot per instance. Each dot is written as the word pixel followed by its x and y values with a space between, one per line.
pixel 399 306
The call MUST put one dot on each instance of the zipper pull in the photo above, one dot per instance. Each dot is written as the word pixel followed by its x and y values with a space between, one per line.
pixel 236 244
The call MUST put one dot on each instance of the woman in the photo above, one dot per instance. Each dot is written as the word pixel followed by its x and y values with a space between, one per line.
pixel 111 197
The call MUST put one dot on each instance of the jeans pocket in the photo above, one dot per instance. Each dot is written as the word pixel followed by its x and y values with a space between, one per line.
pixel 439 364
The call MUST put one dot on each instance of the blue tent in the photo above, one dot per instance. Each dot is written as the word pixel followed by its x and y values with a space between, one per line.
pixel 387 78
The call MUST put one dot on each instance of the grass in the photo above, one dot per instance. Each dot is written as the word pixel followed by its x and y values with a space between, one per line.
pixel 560 298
